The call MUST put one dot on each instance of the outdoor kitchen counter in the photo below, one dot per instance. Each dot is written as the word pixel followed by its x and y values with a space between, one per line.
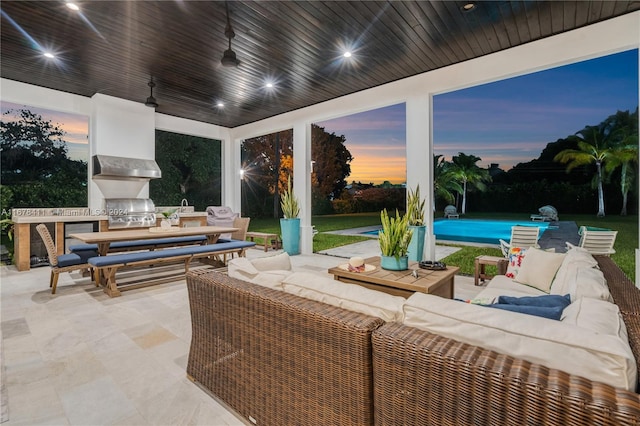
pixel 23 218
pixel 22 232
pixel 61 219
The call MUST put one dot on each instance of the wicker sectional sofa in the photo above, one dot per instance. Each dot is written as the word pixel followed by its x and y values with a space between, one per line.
pixel 280 359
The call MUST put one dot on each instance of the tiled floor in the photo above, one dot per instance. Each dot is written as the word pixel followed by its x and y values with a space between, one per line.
pixel 82 358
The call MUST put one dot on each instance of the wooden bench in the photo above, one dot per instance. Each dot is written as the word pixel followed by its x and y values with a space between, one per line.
pixel 272 240
pixel 105 267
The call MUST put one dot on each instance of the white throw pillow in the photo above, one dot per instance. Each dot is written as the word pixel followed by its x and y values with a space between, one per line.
pixel 515 257
pixel 279 262
pixel 538 268
pixel 599 357
pixel 241 268
pixel 348 296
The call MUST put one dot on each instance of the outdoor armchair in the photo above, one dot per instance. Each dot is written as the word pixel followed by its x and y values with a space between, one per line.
pixel 521 236
pixel 597 240
pixel 63 263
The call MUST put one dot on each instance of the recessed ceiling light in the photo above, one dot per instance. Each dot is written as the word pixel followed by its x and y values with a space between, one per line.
pixel 347 54
pixel 269 85
pixel 220 105
pixel 468 7
pixel 49 55
pixel 72 6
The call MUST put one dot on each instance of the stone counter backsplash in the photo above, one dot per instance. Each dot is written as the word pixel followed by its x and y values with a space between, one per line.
pixel 178 209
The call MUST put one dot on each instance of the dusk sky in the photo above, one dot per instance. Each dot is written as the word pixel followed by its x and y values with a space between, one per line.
pixel 505 122
pixel 76 127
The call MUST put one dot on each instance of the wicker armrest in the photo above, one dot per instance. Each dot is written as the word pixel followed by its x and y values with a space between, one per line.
pixel 422 378
pixel 627 296
pixel 278 358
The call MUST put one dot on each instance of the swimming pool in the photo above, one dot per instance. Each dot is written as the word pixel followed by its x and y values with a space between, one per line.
pixel 476 230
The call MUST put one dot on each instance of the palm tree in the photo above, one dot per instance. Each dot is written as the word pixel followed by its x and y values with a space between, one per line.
pixel 592 148
pixel 467 171
pixel 444 181
pixel 625 150
pixel 624 155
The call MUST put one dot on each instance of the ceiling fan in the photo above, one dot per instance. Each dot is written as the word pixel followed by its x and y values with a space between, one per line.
pixel 229 56
pixel 151 101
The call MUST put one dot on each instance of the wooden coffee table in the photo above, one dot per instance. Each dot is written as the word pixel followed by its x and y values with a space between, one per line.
pixel 400 283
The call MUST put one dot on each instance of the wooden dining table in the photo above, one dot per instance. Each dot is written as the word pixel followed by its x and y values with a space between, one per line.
pixel 104 238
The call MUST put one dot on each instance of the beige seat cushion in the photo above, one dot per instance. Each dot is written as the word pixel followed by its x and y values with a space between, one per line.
pixel 508 287
pixel 596 315
pixel 348 296
pixel 492 294
pixel 576 350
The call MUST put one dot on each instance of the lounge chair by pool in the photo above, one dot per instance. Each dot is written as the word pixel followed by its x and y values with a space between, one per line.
pixel 450 212
pixel 545 214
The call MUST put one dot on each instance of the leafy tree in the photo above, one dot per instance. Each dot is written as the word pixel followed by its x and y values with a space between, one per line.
pixel 191 169
pixel 331 166
pixel 545 167
pixel 444 180
pixel 466 170
pixel 265 173
pixel 34 163
pixel 593 148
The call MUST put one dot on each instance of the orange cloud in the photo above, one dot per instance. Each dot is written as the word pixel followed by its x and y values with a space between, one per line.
pixel 378 168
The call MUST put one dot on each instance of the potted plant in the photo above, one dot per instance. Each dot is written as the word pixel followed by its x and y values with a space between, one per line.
pixel 394 241
pixel 165 223
pixel 415 213
pixel 290 224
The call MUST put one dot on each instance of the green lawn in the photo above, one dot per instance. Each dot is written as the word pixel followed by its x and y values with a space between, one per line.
pixel 626 242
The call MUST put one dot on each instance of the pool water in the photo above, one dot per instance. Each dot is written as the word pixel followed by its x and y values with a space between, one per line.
pixel 476 230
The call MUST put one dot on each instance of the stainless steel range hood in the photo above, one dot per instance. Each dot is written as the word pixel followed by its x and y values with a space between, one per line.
pixel 122 168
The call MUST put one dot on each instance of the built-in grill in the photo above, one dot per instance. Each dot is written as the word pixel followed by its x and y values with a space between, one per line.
pixel 130 212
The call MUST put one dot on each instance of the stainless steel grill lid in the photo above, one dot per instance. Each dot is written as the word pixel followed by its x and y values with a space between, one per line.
pixel 130 212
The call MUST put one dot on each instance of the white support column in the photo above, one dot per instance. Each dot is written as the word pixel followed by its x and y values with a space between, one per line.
pixel 420 161
pixel 302 182
pixel 231 185
pixel 638 176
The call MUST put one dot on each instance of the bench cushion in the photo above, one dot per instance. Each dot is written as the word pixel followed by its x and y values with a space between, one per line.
pixel 127 258
pixel 75 258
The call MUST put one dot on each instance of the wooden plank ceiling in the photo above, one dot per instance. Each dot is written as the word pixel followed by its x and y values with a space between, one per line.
pixel 113 47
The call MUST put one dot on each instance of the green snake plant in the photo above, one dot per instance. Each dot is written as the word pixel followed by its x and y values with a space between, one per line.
pixel 395 236
pixel 289 203
pixel 415 207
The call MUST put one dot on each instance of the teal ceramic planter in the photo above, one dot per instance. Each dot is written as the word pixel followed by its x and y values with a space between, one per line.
pixel 290 230
pixel 416 246
pixel 393 263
